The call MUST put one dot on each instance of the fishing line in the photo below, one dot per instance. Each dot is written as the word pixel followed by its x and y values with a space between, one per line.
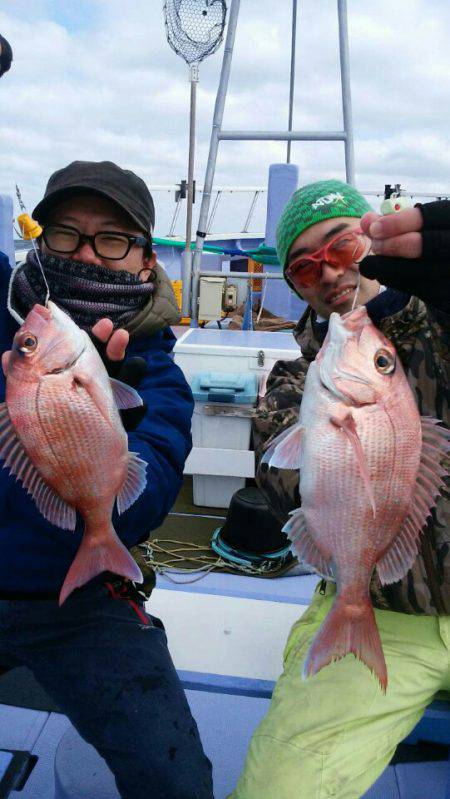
pixel 29 230
pixel 358 282
pixel 15 315
pixel 200 564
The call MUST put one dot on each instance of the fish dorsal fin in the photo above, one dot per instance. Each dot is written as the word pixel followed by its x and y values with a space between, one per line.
pixel 125 396
pixel 134 484
pixel 304 546
pixel 403 551
pixel 15 458
pixel 348 426
pixel 284 451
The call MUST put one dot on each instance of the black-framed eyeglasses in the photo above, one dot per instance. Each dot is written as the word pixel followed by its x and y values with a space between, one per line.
pixel 106 243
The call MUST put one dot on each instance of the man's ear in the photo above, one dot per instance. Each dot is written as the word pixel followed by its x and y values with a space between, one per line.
pixel 148 263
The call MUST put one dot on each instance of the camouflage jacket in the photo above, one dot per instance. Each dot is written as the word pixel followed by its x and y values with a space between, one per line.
pixel 421 336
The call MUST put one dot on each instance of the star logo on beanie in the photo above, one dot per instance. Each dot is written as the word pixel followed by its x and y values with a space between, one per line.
pixel 329 199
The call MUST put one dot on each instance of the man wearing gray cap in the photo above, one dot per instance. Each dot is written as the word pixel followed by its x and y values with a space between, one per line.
pixel 101 658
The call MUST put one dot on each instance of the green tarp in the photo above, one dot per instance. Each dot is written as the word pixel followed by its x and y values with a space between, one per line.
pixel 263 254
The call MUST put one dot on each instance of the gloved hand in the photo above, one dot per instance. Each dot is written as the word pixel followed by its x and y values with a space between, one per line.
pixel 412 251
pixel 129 371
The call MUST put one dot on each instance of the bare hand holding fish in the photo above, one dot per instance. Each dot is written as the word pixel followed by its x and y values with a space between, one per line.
pixel 62 437
pixel 371 469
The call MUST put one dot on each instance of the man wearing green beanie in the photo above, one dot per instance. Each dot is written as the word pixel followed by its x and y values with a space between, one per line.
pixel 333 734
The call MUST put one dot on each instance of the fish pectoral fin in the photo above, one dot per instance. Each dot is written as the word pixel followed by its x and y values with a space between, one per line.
pixel 15 457
pixel 430 480
pixel 92 387
pixel 348 426
pixel 125 396
pixel 135 482
pixel 284 451
pixel 304 546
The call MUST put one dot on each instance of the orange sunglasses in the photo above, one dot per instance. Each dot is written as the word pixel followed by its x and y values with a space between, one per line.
pixel 343 250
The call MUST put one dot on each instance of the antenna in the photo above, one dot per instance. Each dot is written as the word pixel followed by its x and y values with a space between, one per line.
pixel 194 30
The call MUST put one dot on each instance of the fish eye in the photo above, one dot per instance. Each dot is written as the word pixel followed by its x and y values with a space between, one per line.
pixel 384 362
pixel 27 342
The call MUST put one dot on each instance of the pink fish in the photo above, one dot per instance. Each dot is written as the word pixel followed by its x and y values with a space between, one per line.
pixel 370 472
pixel 61 435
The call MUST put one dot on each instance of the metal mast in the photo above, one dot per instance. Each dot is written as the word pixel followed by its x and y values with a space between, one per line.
pixel 217 134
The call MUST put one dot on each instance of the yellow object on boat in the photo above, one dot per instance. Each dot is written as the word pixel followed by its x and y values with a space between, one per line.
pixel 29 228
pixel 177 286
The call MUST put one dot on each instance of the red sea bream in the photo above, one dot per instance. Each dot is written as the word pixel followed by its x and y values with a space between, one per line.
pixel 61 435
pixel 370 472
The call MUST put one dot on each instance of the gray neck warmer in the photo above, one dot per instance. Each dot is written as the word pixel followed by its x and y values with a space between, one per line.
pixel 86 292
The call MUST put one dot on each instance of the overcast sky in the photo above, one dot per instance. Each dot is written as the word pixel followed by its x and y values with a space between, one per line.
pixel 96 79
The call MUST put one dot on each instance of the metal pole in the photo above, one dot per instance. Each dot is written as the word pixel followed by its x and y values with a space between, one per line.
pixel 250 213
pixel 291 84
pixel 282 135
pixel 346 93
pixel 175 217
pixel 213 147
pixel 242 275
pixel 187 259
pixel 213 212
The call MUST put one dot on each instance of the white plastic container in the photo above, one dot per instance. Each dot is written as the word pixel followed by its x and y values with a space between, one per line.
pixel 210 491
pixel 221 460
pixel 231 432
pixel 221 428
pixel 250 351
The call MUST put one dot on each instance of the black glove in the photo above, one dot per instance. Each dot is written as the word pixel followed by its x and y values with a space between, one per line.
pixel 129 371
pixel 427 277
pixel 5 55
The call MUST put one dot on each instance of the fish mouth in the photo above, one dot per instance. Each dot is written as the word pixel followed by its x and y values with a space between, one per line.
pixel 341 329
pixel 42 310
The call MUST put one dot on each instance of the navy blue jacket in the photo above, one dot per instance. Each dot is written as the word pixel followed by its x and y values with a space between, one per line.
pixel 34 554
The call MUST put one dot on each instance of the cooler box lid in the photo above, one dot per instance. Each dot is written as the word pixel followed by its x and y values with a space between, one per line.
pixel 231 387
pixel 237 342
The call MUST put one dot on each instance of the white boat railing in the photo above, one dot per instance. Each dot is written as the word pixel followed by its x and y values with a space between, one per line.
pixel 256 192
pixel 176 188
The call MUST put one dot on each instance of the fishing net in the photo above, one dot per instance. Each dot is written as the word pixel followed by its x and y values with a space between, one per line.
pixel 194 28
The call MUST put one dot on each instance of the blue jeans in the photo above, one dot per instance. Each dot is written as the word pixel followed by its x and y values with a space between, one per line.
pixel 111 673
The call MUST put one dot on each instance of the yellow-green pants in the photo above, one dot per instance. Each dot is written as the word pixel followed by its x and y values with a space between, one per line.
pixel 333 734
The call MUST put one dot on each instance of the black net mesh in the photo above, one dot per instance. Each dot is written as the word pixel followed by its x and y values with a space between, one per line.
pixel 194 28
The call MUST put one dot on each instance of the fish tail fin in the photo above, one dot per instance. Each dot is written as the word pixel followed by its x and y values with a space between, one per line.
pixel 348 628
pixel 93 558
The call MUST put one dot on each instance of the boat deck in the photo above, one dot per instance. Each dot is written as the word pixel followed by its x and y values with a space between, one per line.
pixel 226 633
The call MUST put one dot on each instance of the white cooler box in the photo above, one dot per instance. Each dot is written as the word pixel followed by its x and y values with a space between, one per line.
pixel 202 350
pixel 221 459
pixel 221 426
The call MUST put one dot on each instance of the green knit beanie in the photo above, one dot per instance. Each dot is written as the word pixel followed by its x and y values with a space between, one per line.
pixel 314 203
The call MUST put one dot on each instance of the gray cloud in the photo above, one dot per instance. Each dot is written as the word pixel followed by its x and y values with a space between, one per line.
pixel 98 80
